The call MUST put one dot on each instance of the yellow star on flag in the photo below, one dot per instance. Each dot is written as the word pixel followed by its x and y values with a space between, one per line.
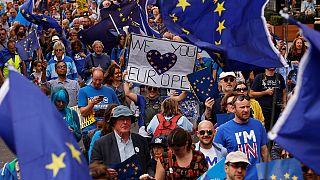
pixel 273 177
pixel 174 17
pixel 22 11
pixel 128 165
pixel 120 14
pixel 217 43
pixel 44 19
pixel 183 4
pixel 119 9
pixel 287 176
pixel 57 163
pixel 75 153
pixel 294 178
pixel 221 27
pixel 28 15
pixel 220 8
pixel 185 31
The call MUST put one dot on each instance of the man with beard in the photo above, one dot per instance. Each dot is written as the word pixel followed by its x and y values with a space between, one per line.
pixel 236 165
pixel 244 134
pixel 212 151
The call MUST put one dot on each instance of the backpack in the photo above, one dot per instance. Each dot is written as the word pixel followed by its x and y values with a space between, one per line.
pixel 165 127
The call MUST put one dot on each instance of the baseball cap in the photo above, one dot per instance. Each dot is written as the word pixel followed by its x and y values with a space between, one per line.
pixel 55 38
pixel 225 74
pixel 236 156
pixel 121 111
pixel 159 140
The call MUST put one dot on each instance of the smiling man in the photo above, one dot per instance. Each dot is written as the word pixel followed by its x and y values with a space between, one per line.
pixel 121 144
pixel 212 151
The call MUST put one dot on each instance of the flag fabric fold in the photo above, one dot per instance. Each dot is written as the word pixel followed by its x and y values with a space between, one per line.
pixel 233 30
pixel 26 46
pixel 35 130
pixel 297 129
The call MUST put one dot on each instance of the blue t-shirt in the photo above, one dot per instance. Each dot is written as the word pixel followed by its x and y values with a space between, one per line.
pixel 247 138
pixel 87 93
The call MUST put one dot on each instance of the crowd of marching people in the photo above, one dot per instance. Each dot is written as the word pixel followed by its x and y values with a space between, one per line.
pixel 169 134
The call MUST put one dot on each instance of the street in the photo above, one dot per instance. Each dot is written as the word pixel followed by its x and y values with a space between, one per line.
pixel 5 154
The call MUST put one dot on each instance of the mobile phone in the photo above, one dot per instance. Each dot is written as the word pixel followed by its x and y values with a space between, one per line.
pixel 101 96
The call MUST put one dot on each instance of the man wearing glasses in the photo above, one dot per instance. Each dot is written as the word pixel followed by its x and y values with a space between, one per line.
pixel 236 165
pixel 244 134
pixel 212 151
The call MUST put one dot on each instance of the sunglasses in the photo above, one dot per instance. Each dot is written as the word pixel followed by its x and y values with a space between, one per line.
pixel 241 98
pixel 230 79
pixel 203 132
pixel 152 88
pixel 58 50
pixel 60 67
pixel 237 165
pixel 241 89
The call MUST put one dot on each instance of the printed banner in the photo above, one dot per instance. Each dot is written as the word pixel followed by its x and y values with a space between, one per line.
pixel 160 63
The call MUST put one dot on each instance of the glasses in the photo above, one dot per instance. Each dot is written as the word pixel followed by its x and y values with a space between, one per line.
pixel 152 88
pixel 241 98
pixel 230 79
pixel 60 67
pixel 203 132
pixel 241 89
pixel 58 50
pixel 237 165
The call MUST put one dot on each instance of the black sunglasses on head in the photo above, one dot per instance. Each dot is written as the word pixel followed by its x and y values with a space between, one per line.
pixel 203 132
pixel 241 98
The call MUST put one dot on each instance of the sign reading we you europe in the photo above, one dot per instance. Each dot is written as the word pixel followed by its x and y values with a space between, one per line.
pixel 160 63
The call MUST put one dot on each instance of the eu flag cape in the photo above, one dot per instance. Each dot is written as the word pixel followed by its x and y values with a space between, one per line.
pixel 33 128
pixel 297 130
pixel 232 32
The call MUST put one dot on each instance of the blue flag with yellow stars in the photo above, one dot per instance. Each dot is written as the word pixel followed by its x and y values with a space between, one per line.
pixel 280 169
pixel 297 129
pixel 128 169
pixel 40 19
pixel 130 13
pixel 232 31
pixel 26 46
pixel 35 131
pixel 203 85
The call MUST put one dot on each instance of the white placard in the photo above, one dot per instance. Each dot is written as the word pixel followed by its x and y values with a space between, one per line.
pixel 160 63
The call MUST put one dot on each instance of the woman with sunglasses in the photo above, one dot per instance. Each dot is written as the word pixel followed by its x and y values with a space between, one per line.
pixel 181 161
pixel 256 111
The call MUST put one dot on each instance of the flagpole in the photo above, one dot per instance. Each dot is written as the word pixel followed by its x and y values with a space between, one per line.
pixel 114 24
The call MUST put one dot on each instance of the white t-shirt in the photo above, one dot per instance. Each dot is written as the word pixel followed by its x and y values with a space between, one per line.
pixel 210 155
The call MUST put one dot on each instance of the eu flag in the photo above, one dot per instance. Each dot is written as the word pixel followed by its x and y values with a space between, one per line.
pixel 203 85
pixel 128 169
pixel 280 169
pixel 42 20
pixel 26 46
pixel 130 13
pixel 35 130
pixel 102 32
pixel 234 31
pixel 297 130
